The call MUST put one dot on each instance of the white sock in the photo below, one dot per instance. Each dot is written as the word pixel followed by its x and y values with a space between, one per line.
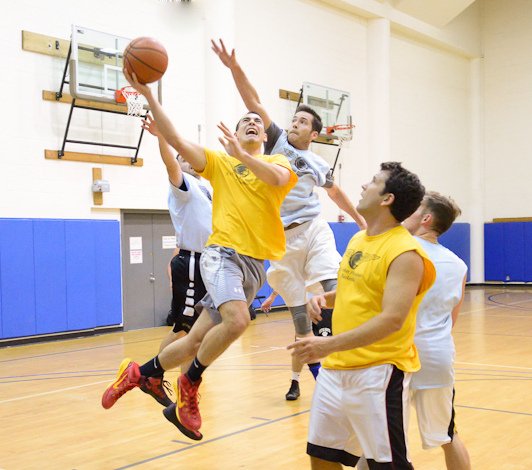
pixel 295 376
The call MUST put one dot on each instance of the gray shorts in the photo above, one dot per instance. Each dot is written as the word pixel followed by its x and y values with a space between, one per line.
pixel 228 276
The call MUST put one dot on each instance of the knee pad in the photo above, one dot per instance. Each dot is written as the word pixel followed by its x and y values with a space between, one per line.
pixel 329 284
pixel 300 319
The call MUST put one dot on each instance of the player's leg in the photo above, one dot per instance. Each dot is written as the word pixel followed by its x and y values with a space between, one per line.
pixel 303 328
pixel 187 290
pixel 435 416
pixel 287 278
pixel 456 455
pixel 232 281
pixel 379 411
pixel 332 441
pixel 131 375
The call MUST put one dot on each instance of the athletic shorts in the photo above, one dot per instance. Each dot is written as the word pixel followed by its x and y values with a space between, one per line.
pixel 228 276
pixel 187 289
pixel 361 412
pixel 435 415
pixel 310 257
pixel 324 326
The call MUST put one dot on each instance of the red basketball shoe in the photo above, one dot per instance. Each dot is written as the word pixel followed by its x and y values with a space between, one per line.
pixel 128 377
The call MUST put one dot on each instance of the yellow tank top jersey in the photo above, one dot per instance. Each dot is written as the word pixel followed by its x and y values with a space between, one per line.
pixel 361 283
pixel 246 211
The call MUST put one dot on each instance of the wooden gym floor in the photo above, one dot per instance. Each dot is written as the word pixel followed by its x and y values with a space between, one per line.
pixel 51 416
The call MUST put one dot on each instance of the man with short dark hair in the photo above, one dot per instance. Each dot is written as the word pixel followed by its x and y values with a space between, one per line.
pixel 433 386
pixel 232 264
pixel 311 260
pixel 360 402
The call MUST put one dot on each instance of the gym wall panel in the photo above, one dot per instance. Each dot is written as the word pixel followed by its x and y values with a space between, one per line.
pixel 514 251
pixel 58 276
pixel 508 251
pixel 18 279
pixel 343 232
pixel 458 240
pixel 108 273
pixel 81 274
pixel 528 252
pixel 493 252
pixel 50 276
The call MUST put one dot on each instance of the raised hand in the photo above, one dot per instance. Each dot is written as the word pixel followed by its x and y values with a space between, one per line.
pixel 133 81
pixel 150 125
pixel 229 60
pixel 230 142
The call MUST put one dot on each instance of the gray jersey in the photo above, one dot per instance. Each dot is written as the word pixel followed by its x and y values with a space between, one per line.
pixel 301 204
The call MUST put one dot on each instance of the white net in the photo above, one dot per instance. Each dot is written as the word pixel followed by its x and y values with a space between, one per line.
pixel 135 105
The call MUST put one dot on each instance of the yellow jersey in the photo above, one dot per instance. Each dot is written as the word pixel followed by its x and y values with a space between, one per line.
pixel 361 282
pixel 246 211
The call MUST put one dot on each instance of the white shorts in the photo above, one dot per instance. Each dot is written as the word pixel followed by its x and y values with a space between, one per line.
pixel 360 412
pixel 435 415
pixel 310 257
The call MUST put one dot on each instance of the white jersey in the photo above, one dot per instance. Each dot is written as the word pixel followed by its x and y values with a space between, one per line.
pixel 434 321
pixel 191 213
pixel 301 204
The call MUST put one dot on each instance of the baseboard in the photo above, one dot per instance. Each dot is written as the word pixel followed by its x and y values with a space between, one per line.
pixel 59 336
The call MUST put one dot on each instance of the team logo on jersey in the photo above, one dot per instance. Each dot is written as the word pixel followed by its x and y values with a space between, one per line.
pixel 300 164
pixel 241 170
pixel 360 257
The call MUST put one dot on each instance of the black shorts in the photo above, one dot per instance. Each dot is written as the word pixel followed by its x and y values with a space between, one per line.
pixel 324 326
pixel 187 289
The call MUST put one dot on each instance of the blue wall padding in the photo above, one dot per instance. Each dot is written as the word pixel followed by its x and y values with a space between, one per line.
pixel 343 232
pixel 458 240
pixel 508 251
pixel 81 274
pixel 50 276
pixel 108 273
pixel 58 275
pixel 493 252
pixel 514 251
pixel 528 251
pixel 18 277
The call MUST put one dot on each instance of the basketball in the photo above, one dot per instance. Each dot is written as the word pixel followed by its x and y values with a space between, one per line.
pixel 147 58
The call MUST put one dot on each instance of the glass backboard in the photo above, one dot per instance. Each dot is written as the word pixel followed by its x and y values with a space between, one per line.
pixel 96 61
pixel 334 107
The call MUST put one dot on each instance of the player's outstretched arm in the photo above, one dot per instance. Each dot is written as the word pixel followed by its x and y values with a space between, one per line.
pixel 245 88
pixel 270 173
pixel 340 198
pixel 190 151
pixel 175 175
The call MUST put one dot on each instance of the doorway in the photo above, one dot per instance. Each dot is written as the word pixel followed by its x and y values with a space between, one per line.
pixel 148 241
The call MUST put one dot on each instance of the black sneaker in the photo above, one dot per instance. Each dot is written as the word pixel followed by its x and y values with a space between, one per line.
pixel 155 386
pixel 170 413
pixel 293 393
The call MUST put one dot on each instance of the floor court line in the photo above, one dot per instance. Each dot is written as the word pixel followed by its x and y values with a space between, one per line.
pixel 492 365
pixel 224 436
pixel 495 410
pixel 50 392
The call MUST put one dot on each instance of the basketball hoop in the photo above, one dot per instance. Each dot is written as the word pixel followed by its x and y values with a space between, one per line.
pixel 342 137
pixel 131 97
pixel 330 130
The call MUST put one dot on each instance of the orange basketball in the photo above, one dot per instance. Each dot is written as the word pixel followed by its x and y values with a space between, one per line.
pixel 147 58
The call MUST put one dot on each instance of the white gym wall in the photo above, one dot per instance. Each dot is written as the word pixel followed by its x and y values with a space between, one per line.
pixel 454 106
